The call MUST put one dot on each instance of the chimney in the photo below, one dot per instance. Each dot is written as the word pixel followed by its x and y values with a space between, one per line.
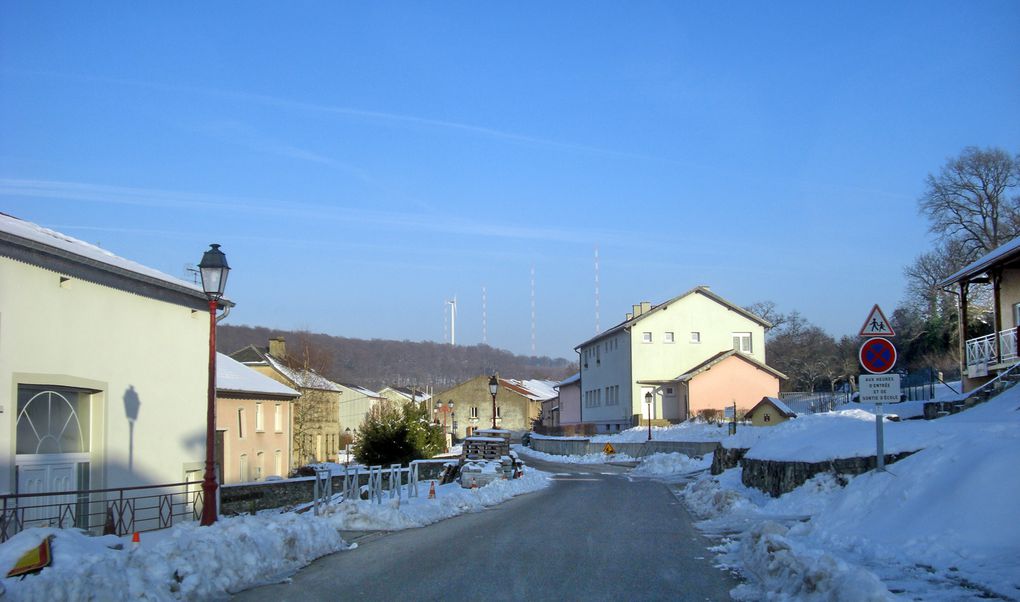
pixel 630 317
pixel 645 307
pixel 636 309
pixel 278 348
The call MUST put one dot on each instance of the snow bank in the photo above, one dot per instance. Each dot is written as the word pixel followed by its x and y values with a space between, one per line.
pixel 190 562
pixel 940 524
pixel 669 464
pixel 599 458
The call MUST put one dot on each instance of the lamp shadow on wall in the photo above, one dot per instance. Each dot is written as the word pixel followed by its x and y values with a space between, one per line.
pixel 132 405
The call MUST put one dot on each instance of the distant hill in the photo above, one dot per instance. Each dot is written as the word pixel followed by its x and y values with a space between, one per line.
pixel 377 363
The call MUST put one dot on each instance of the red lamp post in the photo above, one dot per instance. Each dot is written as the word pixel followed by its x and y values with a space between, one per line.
pixel 214 270
pixel 493 387
pixel 444 410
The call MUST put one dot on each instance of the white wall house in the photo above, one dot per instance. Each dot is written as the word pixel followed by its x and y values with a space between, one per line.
pixel 654 349
pixel 103 367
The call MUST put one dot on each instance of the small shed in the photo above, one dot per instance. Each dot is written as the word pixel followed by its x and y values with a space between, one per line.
pixel 770 411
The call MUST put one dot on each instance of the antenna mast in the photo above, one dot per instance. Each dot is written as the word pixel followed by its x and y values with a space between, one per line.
pixel 532 310
pixel 598 328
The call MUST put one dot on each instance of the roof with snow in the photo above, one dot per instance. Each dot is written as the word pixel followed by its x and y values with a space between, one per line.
pixel 300 377
pixel 1006 253
pixel 234 377
pixel 778 404
pixel 576 378
pixel 699 290
pixel 407 393
pixel 31 243
pixel 535 390
pixel 361 390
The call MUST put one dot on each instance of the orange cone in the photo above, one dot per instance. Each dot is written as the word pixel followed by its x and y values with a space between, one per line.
pixel 136 540
pixel 474 483
pixel 432 490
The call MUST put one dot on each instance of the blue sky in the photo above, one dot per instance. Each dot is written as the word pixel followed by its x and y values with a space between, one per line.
pixel 362 163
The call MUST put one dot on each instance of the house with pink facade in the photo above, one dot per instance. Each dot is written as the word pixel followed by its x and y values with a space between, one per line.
pixel 665 363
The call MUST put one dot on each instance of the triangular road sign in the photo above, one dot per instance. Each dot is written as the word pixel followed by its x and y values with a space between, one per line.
pixel 876 325
pixel 608 449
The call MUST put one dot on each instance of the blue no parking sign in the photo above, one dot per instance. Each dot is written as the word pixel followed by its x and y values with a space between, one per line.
pixel 878 355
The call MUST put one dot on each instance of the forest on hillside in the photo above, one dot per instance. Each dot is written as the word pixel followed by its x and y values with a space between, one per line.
pixel 378 363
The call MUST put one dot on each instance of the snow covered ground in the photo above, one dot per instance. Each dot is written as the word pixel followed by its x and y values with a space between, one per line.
pixel 190 562
pixel 599 458
pixel 939 525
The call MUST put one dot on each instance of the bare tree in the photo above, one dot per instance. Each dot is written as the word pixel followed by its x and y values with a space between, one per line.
pixel 316 413
pixel 969 200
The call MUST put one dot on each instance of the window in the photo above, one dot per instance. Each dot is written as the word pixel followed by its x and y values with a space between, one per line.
pixel 667 337
pixel 499 413
pixel 695 337
pixel 646 337
pixel 53 420
pixel 742 342
pixel 767 418
pixel 260 419
pixel 259 465
pixel 278 418
pixel 240 423
pixel 474 412
pixel 669 390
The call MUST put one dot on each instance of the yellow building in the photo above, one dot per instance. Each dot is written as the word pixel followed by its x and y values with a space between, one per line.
pixel 103 367
pixel 770 411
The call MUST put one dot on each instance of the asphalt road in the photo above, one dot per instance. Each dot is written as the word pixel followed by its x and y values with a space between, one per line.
pixel 592 535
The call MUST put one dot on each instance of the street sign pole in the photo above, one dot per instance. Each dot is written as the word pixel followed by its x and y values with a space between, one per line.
pixel 878 356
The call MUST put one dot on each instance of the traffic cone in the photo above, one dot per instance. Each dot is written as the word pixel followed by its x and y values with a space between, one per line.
pixel 432 490
pixel 474 483
pixel 136 540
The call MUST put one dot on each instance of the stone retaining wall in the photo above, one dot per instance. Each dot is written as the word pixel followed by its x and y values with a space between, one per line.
pixel 725 458
pixel 264 495
pixel 582 447
pixel 776 477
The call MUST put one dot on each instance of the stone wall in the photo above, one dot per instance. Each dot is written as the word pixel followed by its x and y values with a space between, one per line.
pixel 580 447
pixel 776 477
pixel 725 458
pixel 265 495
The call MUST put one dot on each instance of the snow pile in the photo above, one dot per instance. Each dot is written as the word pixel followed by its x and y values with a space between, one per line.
pixel 191 563
pixel 451 500
pixel 663 464
pixel 600 458
pixel 939 524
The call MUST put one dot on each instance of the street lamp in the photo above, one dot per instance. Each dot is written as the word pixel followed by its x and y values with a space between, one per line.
pixel 493 387
pixel 214 270
pixel 648 401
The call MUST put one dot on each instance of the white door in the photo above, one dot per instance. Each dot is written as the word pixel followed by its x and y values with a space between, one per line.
pixel 42 477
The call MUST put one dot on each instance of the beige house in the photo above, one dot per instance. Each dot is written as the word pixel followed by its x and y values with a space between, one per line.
pixel 983 357
pixel 252 423
pixel 355 404
pixel 518 404
pixel 103 367
pixel 315 419
pixel 770 411
pixel 402 395
pixel 695 351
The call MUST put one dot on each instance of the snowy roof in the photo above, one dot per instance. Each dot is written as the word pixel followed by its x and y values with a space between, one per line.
pixel 570 380
pixel 306 379
pixel 997 255
pixel 701 290
pixel 715 359
pixel 407 393
pixel 778 404
pixel 61 245
pixel 361 390
pixel 233 376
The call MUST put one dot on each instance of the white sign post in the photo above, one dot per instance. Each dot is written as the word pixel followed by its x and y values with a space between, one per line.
pixel 878 357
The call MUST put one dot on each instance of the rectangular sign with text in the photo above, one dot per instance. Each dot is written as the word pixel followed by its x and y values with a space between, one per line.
pixel 880 388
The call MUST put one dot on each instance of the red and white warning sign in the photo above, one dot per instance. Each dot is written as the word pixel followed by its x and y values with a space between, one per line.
pixel 876 325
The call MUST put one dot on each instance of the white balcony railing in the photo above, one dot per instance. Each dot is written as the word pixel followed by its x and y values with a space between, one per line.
pixel 982 350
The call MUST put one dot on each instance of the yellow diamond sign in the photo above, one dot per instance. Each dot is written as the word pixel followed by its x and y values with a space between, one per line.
pixel 608 449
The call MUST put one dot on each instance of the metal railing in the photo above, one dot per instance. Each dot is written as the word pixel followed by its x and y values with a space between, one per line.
pixel 116 511
pixel 982 350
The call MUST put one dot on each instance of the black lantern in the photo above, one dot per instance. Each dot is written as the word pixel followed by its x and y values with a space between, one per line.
pixel 214 270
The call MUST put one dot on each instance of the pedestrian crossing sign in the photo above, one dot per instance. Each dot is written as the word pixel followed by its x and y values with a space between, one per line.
pixel 876 325
pixel 608 449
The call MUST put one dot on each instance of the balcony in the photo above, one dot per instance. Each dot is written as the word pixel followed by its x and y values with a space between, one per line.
pixel 983 350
